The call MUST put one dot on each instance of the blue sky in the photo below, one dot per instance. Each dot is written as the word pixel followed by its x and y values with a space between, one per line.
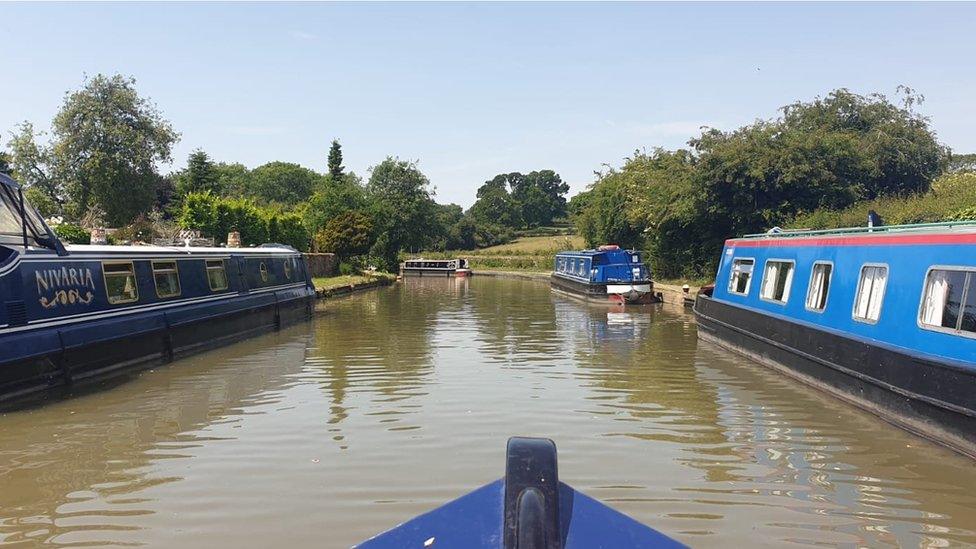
pixel 472 90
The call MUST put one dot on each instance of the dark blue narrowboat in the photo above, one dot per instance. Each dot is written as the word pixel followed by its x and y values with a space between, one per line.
pixel 608 273
pixel 527 509
pixel 883 317
pixel 73 313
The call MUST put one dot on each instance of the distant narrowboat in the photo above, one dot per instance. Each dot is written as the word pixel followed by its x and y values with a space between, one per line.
pixel 72 313
pixel 608 274
pixel 435 267
pixel 883 317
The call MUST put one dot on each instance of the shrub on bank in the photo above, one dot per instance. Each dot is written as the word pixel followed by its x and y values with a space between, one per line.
pixel 72 234
pixel 952 195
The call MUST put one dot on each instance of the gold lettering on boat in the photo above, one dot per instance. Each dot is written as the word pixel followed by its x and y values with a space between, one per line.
pixel 64 286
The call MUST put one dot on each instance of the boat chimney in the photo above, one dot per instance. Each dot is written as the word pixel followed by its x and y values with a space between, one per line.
pixel 234 239
pixel 98 236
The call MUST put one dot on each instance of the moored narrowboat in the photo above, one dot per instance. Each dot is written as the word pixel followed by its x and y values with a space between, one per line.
pixel 73 313
pixel 435 267
pixel 882 317
pixel 607 274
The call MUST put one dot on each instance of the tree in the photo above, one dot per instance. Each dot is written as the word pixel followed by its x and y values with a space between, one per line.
pixel 106 144
pixel 5 167
pixel 496 206
pixel 199 176
pixel 335 160
pixel 826 153
pixel 538 196
pixel 402 207
pixel 232 178
pixel 348 234
pixel 333 198
pixel 542 195
pixel 282 182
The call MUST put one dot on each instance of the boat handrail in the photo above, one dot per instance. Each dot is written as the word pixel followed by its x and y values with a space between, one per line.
pixel 792 233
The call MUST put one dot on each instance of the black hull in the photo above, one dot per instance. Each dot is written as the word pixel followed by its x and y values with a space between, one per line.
pixel 428 272
pixel 81 353
pixel 597 292
pixel 932 399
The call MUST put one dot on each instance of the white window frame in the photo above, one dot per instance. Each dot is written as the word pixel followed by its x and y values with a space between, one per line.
pixel 962 301
pixel 135 281
pixel 223 267
pixel 806 301
pixel 857 293
pixel 752 275
pixel 175 269
pixel 787 290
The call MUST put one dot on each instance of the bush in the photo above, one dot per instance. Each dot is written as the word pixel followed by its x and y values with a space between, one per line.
pixel 72 234
pixel 214 217
pixel 346 268
pixel 951 196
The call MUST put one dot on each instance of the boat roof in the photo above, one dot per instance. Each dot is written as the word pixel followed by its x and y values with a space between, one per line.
pixel 170 250
pixel 591 253
pixel 917 233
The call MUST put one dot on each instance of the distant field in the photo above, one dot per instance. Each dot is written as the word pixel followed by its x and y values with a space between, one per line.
pixel 533 245
pixel 530 253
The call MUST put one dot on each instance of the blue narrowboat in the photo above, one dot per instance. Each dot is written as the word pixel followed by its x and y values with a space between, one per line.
pixel 882 317
pixel 74 313
pixel 608 273
pixel 527 509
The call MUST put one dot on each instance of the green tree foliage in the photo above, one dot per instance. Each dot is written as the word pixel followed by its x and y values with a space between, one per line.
pixel 5 167
pixel 72 234
pixel 348 234
pixel 335 160
pixel 282 183
pixel 200 175
pixel 951 197
pixel 215 217
pixel 517 200
pixel 232 178
pixel 824 154
pixel 333 198
pixel 402 209
pixel 495 206
pixel 541 195
pixel 106 144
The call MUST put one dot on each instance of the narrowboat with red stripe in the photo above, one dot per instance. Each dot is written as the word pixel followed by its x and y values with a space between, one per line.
pixel 607 274
pixel 77 313
pixel 883 317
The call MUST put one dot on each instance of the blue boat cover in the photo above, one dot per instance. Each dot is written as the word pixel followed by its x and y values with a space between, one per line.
pixel 476 520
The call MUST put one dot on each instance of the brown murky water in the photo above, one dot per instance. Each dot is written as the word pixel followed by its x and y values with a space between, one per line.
pixel 390 403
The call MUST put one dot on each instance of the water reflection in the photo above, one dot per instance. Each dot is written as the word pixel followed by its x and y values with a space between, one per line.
pixel 393 401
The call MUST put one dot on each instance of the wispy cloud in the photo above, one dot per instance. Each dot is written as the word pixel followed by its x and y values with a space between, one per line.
pixel 302 35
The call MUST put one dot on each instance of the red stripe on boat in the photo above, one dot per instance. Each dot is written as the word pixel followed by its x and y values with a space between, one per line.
pixel 879 240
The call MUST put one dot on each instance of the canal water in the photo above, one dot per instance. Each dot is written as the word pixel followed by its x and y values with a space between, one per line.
pixel 394 401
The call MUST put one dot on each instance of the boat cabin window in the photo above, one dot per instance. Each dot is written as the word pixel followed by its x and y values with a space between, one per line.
pixel 263 269
pixel 120 283
pixel 949 301
pixel 216 274
pixel 741 276
pixel 777 279
pixel 819 286
pixel 288 268
pixel 167 278
pixel 870 293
